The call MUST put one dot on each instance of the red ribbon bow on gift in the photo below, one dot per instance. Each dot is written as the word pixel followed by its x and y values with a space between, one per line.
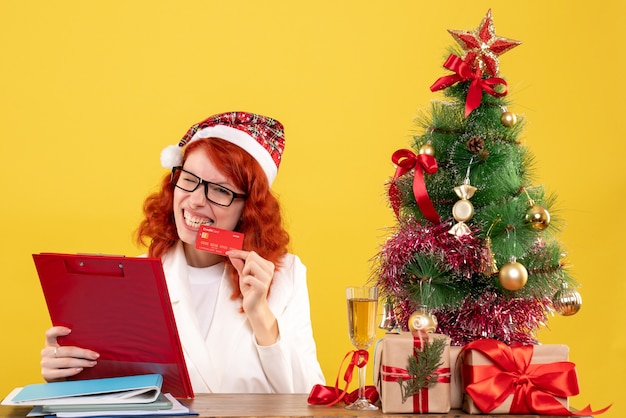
pixel 406 161
pixel 420 399
pixel 534 386
pixel 328 395
pixel 396 374
pixel 393 374
pixel 464 72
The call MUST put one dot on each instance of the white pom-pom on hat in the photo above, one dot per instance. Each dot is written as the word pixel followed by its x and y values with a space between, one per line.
pixel 171 156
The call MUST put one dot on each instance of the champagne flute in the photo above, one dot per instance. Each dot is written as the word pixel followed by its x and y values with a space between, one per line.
pixel 362 306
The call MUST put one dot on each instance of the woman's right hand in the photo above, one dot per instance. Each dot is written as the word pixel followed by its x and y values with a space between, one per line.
pixel 59 362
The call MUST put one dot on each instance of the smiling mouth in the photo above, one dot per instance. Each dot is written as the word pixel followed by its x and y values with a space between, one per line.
pixel 196 221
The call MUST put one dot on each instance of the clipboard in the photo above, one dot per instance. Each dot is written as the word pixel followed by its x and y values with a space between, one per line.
pixel 119 307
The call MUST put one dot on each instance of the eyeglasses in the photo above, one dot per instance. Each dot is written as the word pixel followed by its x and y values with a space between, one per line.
pixel 214 193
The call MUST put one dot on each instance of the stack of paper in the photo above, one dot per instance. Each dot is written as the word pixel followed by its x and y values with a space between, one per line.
pixel 128 395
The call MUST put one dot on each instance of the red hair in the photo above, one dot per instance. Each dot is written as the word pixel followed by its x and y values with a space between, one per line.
pixel 261 221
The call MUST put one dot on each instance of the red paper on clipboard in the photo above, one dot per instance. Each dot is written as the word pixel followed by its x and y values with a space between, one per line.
pixel 119 307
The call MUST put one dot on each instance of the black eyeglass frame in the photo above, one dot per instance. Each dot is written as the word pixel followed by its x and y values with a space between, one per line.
pixel 201 181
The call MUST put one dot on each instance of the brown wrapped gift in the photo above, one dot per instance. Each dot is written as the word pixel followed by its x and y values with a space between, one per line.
pixel 542 354
pixel 391 361
pixel 456 389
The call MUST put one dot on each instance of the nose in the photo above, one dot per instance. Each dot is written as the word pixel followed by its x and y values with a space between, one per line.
pixel 198 196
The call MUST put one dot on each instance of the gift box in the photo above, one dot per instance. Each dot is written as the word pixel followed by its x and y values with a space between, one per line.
pixel 401 391
pixel 501 379
pixel 456 388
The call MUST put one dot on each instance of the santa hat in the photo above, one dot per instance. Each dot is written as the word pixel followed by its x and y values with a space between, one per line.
pixel 260 136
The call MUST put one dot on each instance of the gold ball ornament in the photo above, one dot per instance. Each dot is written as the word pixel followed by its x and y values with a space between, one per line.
pixel 567 301
pixel 508 119
pixel 538 217
pixel 422 321
pixel 513 276
pixel 427 149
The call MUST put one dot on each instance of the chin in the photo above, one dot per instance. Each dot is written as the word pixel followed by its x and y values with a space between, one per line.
pixel 187 235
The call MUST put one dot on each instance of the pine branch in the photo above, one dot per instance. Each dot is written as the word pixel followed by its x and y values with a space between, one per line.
pixel 422 367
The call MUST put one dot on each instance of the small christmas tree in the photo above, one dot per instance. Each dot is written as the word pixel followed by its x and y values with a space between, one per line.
pixel 475 244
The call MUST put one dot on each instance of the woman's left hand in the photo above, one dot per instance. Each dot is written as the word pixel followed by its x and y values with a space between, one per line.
pixel 255 278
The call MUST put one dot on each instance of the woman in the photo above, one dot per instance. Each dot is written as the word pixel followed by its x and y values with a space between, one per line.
pixel 243 317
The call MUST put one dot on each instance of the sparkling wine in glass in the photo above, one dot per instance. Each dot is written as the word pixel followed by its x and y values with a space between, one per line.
pixel 362 308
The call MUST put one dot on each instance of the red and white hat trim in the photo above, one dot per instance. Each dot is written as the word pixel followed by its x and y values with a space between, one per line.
pixel 260 136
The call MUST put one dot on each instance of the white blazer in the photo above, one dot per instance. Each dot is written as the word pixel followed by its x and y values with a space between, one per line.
pixel 230 360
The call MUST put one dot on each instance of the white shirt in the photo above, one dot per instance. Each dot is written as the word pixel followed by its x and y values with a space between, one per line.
pixel 205 283
pixel 227 359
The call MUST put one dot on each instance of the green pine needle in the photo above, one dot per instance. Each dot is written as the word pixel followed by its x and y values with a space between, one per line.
pixel 422 367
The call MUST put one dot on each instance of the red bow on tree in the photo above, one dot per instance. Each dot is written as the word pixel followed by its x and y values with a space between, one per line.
pixel 406 161
pixel 464 72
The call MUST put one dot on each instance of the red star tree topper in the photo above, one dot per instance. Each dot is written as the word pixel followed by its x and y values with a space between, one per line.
pixel 483 46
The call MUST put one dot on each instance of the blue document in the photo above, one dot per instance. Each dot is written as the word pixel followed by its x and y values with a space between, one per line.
pixel 115 390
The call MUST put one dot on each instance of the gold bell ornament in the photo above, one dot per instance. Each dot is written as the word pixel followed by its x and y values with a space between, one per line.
pixel 489 266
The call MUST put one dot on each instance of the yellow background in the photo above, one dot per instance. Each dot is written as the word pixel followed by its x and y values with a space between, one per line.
pixel 91 91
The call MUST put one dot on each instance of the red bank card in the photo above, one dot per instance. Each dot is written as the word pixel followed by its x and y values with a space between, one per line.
pixel 218 241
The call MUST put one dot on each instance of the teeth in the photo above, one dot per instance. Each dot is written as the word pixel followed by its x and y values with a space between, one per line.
pixel 195 221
